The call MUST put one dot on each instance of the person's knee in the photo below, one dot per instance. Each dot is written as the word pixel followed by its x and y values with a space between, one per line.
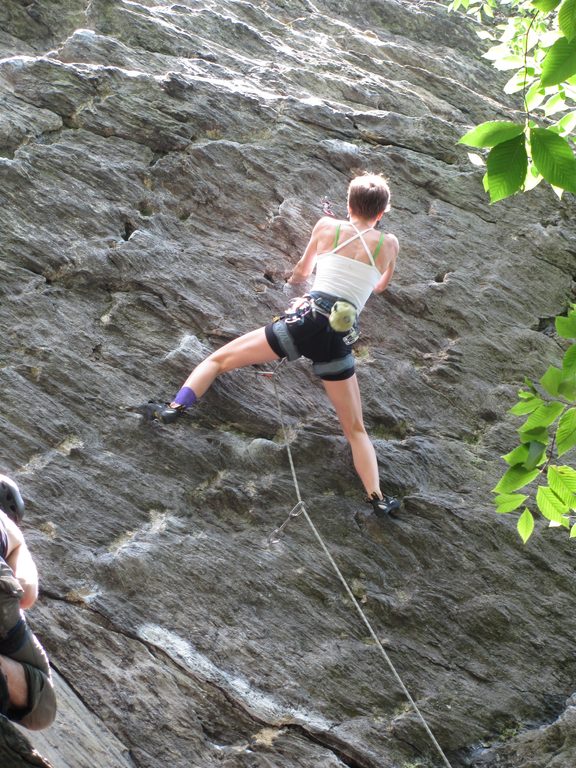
pixel 355 431
pixel 14 684
pixel 44 713
pixel 41 710
pixel 27 695
pixel 218 362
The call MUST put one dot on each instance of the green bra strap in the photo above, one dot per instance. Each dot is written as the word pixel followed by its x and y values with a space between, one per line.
pixel 336 236
pixel 378 246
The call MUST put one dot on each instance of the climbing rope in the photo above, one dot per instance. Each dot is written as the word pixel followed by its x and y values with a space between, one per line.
pixel 300 509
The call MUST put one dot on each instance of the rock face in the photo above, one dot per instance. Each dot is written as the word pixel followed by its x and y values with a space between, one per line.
pixel 161 168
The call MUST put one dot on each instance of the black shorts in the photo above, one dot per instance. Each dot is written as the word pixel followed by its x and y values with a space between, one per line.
pixel 311 336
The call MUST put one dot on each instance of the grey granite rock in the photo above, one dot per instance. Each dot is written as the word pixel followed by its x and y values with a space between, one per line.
pixel 161 167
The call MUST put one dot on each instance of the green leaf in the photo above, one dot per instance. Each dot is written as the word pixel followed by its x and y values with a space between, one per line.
pixel 565 522
pixel 506 168
pixel 556 103
pixel 496 52
pixel 559 63
pixel 569 361
pixel 526 405
pixel 573 531
pixel 525 525
pixel 535 455
pixel 528 455
pixel 538 435
pixel 552 380
pixel 515 478
pixel 525 394
pixel 543 416
pixel 554 158
pixel 545 5
pixel 566 124
pixel 533 178
pixel 568 477
pixel 566 433
pixel 568 388
pixel 567 19
pixel 566 327
pixel 511 61
pixel 517 456
pixel 519 80
pixel 534 96
pixel 550 505
pixel 508 502
pixel 562 484
pixel 491 133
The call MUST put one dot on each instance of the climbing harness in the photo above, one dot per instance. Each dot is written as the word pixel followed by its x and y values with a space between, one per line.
pixel 300 509
pixel 341 314
pixel 298 309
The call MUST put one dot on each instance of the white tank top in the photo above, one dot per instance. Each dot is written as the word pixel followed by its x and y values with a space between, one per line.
pixel 346 278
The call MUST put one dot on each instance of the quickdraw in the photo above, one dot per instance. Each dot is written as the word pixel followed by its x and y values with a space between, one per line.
pixel 327 207
pixel 298 309
pixel 276 534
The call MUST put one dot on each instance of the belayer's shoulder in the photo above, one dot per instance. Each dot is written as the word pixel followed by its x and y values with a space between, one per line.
pixel 391 241
pixel 329 221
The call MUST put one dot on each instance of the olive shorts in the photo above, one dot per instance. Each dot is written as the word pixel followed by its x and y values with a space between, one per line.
pixel 17 642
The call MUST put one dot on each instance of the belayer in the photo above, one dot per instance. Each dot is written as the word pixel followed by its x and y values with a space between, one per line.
pixel 26 688
pixel 352 260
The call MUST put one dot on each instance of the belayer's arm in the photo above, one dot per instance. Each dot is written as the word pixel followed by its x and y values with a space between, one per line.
pixel 304 267
pixel 390 253
pixel 21 562
pixel 382 284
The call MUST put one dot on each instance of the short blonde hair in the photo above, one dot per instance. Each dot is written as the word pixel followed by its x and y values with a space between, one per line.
pixel 369 195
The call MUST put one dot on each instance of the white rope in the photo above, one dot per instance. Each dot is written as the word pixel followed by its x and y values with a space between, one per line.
pixel 349 592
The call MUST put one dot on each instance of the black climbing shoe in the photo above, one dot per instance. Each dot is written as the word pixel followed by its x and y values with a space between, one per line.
pixel 162 412
pixel 387 506
pixel 11 502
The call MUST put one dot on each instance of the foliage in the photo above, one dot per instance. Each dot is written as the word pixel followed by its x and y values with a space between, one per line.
pixel 536 41
pixel 548 432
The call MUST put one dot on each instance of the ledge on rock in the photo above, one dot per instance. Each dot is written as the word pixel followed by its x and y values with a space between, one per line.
pixel 15 749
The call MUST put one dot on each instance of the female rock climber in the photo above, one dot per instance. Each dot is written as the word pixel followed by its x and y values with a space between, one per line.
pixel 352 260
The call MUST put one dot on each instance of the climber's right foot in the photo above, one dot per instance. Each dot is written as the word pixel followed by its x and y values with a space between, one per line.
pixel 387 506
pixel 163 412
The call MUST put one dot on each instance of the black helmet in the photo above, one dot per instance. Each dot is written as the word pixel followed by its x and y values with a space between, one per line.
pixel 11 501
